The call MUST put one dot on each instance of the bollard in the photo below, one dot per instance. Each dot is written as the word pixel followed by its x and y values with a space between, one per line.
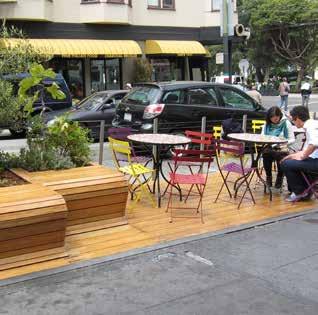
pixel 203 130
pixel 101 141
pixel 154 148
pixel 244 123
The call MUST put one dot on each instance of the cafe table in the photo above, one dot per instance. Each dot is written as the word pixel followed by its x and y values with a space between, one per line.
pixel 162 143
pixel 262 142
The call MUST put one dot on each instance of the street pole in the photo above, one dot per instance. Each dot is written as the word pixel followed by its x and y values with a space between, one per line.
pixel 227 30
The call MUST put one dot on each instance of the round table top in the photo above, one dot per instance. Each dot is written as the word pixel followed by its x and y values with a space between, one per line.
pixel 257 138
pixel 159 138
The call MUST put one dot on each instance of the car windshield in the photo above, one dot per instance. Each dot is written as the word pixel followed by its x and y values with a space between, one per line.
pixel 93 102
pixel 143 95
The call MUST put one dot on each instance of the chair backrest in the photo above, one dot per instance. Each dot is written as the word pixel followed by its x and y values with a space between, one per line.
pixel 120 148
pixel 200 138
pixel 120 133
pixel 217 132
pixel 189 155
pixel 234 147
pixel 257 125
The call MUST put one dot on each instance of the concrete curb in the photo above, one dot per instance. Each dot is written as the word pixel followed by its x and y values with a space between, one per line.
pixel 134 252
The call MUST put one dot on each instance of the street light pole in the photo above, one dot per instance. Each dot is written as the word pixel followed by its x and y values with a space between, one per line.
pixel 227 30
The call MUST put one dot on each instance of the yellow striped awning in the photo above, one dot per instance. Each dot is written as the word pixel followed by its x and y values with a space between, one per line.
pixel 81 47
pixel 174 47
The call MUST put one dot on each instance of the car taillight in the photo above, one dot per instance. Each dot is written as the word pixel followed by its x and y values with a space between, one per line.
pixel 153 110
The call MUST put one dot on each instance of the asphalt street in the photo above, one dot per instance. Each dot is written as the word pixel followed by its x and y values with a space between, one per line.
pixel 267 270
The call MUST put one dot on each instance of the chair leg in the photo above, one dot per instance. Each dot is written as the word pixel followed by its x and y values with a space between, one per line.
pixel 247 181
pixel 223 184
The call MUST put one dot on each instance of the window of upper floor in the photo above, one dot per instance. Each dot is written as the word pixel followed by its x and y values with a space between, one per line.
pixel 216 5
pixel 161 4
pixel 129 2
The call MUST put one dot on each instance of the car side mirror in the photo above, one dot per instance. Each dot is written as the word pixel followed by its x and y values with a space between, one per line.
pixel 108 106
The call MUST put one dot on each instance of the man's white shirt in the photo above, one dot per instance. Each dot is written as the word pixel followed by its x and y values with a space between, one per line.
pixel 311 127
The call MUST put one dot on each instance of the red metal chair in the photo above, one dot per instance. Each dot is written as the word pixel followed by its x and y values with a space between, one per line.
pixel 244 174
pixel 312 185
pixel 198 157
pixel 199 140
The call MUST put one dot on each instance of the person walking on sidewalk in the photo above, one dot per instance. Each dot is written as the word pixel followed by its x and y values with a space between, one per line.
pixel 276 125
pixel 306 160
pixel 257 96
pixel 305 91
pixel 284 90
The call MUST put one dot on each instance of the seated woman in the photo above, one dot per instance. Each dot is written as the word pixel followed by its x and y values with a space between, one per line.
pixel 276 125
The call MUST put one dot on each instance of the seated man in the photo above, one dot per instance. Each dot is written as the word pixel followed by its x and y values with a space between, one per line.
pixel 305 160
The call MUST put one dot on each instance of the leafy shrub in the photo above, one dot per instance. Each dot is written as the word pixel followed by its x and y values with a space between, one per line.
pixel 35 158
pixel 70 139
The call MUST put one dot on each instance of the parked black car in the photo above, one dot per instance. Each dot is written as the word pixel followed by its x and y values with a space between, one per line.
pixel 181 105
pixel 89 112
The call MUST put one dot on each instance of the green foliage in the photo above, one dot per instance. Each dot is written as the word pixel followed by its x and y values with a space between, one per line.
pixel 282 30
pixel 17 56
pixel 10 107
pixel 70 139
pixel 37 75
pixel 143 70
pixel 14 58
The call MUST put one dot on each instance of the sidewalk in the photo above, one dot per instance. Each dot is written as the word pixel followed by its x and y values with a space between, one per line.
pixel 270 269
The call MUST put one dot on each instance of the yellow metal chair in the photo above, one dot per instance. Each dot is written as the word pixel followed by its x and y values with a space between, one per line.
pixel 217 132
pixel 257 125
pixel 135 171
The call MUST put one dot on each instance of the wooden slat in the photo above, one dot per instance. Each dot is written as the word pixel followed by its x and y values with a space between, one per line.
pixel 96 211
pixel 34 249
pixel 32 229
pixel 97 201
pixel 32 216
pixel 25 242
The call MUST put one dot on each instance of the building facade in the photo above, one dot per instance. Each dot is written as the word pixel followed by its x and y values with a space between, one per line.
pixel 95 43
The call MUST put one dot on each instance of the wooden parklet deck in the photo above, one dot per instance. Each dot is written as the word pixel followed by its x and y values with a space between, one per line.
pixel 149 226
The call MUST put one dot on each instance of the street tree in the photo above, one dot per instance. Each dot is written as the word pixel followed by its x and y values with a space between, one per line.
pixel 16 56
pixel 287 28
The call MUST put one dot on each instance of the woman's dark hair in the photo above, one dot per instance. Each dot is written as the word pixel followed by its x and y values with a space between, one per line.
pixel 272 112
pixel 300 112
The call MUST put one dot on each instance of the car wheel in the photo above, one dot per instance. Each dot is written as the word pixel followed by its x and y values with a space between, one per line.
pixel 18 133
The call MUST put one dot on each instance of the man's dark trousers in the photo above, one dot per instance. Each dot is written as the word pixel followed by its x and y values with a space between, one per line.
pixel 292 169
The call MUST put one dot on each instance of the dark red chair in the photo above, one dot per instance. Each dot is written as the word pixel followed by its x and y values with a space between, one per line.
pixel 199 140
pixel 199 157
pixel 243 174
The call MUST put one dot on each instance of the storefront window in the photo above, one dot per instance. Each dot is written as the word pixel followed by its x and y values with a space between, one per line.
pixel 167 69
pixel 72 71
pixel 98 79
pixel 113 74
pixel 105 74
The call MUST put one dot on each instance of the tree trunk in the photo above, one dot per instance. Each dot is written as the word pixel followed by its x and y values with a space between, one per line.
pixel 300 76
pixel 259 74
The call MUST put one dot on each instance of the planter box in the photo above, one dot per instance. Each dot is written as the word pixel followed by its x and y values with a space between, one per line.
pixel 95 196
pixel 32 225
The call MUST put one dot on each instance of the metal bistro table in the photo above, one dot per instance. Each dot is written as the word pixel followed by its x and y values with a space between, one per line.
pixel 262 142
pixel 163 143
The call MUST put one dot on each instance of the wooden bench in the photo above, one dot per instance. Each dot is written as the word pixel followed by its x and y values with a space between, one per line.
pixel 96 196
pixel 32 225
